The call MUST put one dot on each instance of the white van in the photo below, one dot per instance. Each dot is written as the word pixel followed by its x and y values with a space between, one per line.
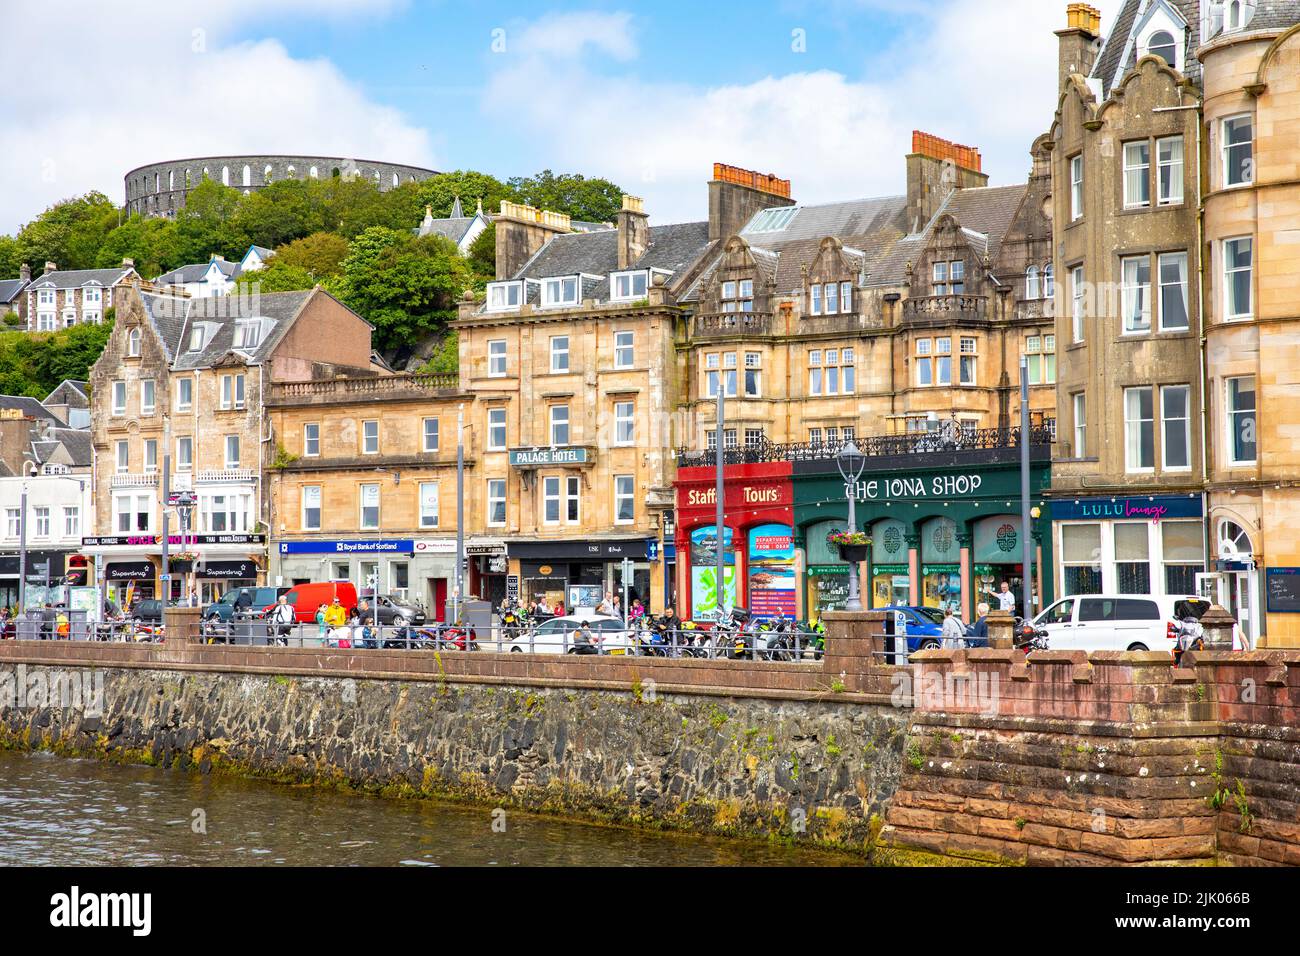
pixel 1116 622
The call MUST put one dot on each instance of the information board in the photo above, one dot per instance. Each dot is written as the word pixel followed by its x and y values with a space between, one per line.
pixel 1284 590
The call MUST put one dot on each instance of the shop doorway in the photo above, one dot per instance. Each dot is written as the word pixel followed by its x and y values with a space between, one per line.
pixel 988 584
pixel 437 591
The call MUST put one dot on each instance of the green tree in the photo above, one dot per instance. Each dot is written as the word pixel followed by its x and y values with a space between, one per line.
pixel 11 258
pixel 285 210
pixel 591 200
pixel 447 356
pixel 152 242
pixel 483 253
pixel 69 233
pixel 321 254
pixel 35 363
pixel 209 224
pixel 276 277
pixel 439 192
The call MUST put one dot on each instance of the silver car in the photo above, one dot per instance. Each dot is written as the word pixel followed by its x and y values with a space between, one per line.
pixel 556 636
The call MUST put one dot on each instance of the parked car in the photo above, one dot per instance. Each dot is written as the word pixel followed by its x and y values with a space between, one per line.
pixel 224 608
pixel 555 636
pixel 148 611
pixel 1116 622
pixel 398 611
pixel 925 627
pixel 307 598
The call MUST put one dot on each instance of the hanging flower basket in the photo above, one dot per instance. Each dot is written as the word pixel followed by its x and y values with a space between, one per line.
pixel 853 545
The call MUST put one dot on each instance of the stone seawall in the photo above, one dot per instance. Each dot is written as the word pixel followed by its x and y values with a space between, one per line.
pixel 804 770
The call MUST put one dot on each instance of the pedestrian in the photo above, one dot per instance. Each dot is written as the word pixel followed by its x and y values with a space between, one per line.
pixel 283 617
pixel 981 626
pixel 584 641
pixel 1006 599
pixel 638 610
pixel 953 635
pixel 322 628
pixel 62 628
pixel 606 606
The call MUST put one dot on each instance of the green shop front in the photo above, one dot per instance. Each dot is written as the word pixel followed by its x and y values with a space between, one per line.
pixel 945 527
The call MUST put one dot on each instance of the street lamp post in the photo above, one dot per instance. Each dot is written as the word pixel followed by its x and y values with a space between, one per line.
pixel 851 463
pixel 1027 544
pixel 185 507
pixel 22 551
pixel 460 513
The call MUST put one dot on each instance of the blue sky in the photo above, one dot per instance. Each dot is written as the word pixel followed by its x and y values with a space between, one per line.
pixel 646 94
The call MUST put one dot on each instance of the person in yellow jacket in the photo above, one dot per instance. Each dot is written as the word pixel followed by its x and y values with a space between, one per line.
pixel 335 616
pixel 61 626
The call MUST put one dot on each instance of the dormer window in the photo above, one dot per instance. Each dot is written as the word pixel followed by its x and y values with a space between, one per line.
pixel 1233 17
pixel 627 286
pixel 560 291
pixel 738 296
pixel 829 298
pixel 1161 44
pixel 248 335
pixel 198 338
pixel 133 343
pixel 949 278
pixel 502 296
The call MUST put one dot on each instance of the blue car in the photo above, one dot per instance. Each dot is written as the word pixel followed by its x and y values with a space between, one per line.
pixel 925 628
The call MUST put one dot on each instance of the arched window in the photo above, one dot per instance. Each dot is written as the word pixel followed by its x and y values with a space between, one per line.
pixel 187 179
pixel 396 179
pixel 225 175
pixel 1049 282
pixel 171 180
pixel 312 173
pixel 336 173
pixel 1162 45
pixel 1031 283
pixel 157 182
pixel 292 173
pixel 205 173
pixel 248 175
pixel 1233 20
pixel 133 343
pixel 1234 541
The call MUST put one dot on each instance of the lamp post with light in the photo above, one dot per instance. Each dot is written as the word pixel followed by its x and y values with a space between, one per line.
pixel 185 508
pixel 851 463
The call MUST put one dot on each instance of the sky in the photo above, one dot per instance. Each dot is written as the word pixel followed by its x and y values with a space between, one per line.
pixel 649 95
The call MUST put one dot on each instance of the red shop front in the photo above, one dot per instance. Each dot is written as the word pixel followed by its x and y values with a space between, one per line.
pixel 760 571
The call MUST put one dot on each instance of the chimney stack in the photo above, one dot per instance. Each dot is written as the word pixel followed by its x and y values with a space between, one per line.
pixel 25 273
pixel 736 195
pixel 130 263
pixel 521 231
pixel 936 167
pixel 49 267
pixel 633 231
pixel 1078 47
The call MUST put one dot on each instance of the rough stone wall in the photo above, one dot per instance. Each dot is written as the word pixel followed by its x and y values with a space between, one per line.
pixel 807 771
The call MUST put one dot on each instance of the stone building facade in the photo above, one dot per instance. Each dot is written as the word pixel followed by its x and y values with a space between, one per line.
pixel 159 189
pixel 1163 474
pixel 60 299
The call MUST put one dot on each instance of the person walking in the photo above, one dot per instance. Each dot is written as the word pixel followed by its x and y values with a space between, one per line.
pixel 980 629
pixel 283 617
pixel 953 634
pixel 321 627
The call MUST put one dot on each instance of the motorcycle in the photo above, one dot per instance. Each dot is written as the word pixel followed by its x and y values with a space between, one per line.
pixel 1028 638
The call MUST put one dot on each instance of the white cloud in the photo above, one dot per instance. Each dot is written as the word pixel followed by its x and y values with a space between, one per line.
pixel 139 82
pixel 978 73
pixel 569 35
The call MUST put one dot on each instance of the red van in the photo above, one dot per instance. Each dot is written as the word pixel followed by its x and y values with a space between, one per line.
pixel 306 599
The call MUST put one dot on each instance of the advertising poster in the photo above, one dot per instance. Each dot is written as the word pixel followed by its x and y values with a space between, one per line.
pixel 771 571
pixel 704 572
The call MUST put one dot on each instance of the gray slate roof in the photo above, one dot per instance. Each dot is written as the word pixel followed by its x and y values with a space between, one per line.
pixel 195 271
pixel 28 406
pixel 11 289
pixel 76 441
pixel 76 278
pixel 453 229
pixel 279 307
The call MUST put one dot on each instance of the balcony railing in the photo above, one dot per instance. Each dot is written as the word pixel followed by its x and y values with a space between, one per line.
pixel 949 438
pixel 218 476
pixel 947 308
pixel 720 324
pixel 366 387
pixel 135 481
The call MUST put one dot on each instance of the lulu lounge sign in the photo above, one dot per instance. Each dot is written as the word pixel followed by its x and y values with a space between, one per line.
pixel 1153 508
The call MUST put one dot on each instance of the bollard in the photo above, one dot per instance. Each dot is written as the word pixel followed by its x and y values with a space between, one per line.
pixel 1218 625
pixel 1002 627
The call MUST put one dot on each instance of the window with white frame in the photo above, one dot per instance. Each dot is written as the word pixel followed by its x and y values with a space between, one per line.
pixel 559 353
pixel 232 452
pixel 753 374
pixel 1176 425
pixel 560 291
pixel 198 338
pixel 1078 302
pixel 1040 352
pixel 1139 429
pixel 831 372
pixel 248 335
pixel 1238 277
pixel 13 521
pixel 502 296
pixel 369 498
pixel 754 436
pixel 184 394
pixel 624 499
pixel 496 436
pixel 148 396
pixel 496 502
pixel 1161 44
pixel 572 499
pixel 1137 175
pixel 551 499
pixel 738 295
pixel 133 343
pixel 948 278
pixel 122 457
pixel 924 363
pixel 559 425
pixel 943 360
pixel 830 298
pixel 1238 148
pixel 185 453
pixel 1169 177
pixel 119 398
pixel 1173 292
pixel 311 510
pixel 429 430
pixel 1076 187
pixel 150 456
pixel 1031 283
pixel 624 423
pixel 1243 447
pixel 71 521
pixel 311 440
pixel 42 522
pixel 1049 281
pixel 1080 403
pixel 968 359
pixel 370 437
pixel 720 367
pixel 626 286
pixel 1136 294
pixel 729 438
pixel 232 391
pixel 224 512
pixel 623 349
pixel 496 358
pixel 429 504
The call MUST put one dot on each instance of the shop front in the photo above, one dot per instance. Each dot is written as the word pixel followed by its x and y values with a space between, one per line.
pixel 945 529
pixel 1148 544
pixel 577 574
pixel 131 567
pixel 46 572
pixel 412 569
pixel 761 568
